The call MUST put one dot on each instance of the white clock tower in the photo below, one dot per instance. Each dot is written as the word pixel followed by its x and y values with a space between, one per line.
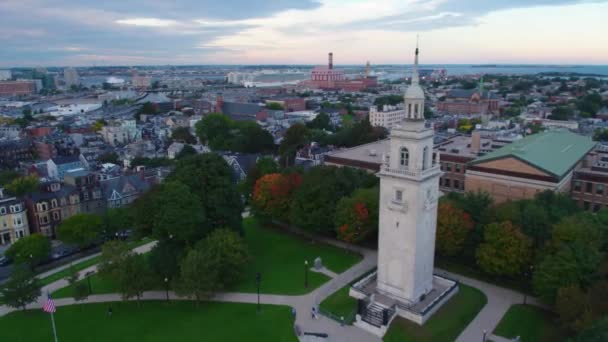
pixel 404 283
pixel 409 187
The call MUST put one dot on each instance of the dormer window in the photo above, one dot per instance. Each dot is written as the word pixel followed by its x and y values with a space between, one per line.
pixel 404 157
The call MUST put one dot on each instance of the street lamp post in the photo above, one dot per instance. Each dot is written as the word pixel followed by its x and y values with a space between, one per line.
pixel 88 276
pixel 258 280
pixel 167 288
pixel 306 273
pixel 528 280
pixel 484 335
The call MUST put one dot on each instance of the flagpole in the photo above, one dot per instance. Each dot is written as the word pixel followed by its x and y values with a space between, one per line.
pixel 54 329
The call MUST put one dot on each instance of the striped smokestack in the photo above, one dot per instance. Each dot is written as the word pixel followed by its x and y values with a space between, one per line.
pixel 331 60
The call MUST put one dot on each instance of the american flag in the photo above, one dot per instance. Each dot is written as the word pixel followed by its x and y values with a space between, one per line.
pixel 49 306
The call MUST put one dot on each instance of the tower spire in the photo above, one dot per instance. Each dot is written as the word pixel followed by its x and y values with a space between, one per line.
pixel 415 77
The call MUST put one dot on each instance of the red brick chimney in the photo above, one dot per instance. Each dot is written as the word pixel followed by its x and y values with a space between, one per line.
pixel 219 101
pixel 331 60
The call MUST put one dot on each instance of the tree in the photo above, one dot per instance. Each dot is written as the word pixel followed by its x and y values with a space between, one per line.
pixel 263 166
pixel 147 108
pixel 561 113
pixel 506 251
pixel 294 138
pixel 133 276
pixel 274 106
pixel 214 129
pixel 21 289
pixel 7 176
pixel 113 254
pixel 32 249
pixel 572 264
pixel 22 185
pixel 172 211
pixel 164 259
pixel 198 276
pixel 272 194
pixel 598 332
pixel 249 137
pixel 110 157
pixel 453 227
pixel 80 290
pixel 115 220
pixel 356 217
pixel 183 135
pixel 314 203
pixel 98 125
pixel 210 178
pixel 186 151
pixel 80 229
pixel 321 121
pixel 226 252
pixel 572 307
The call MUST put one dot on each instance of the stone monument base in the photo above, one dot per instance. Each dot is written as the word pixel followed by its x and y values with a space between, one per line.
pixel 377 309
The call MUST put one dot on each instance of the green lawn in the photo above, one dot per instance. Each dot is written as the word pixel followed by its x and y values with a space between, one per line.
pixel 280 256
pixel 84 264
pixel 530 323
pixel 446 324
pixel 340 304
pixel 277 255
pixel 154 321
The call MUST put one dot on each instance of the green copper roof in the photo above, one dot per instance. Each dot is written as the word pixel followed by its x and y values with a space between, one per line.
pixel 555 152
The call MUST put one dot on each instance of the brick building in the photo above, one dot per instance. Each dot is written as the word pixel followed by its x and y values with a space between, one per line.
pixel 15 88
pixel 461 101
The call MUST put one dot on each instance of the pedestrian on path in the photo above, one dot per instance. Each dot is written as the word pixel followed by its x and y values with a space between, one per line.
pixel 109 311
pixel 314 313
pixel 293 312
pixel 341 321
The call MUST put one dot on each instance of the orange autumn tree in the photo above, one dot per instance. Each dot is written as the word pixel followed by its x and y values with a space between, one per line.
pixel 453 228
pixel 272 194
pixel 356 216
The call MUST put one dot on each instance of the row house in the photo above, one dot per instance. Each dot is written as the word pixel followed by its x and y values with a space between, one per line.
pixel 13 219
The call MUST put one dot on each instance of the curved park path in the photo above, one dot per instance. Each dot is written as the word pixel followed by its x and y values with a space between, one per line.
pixel 499 300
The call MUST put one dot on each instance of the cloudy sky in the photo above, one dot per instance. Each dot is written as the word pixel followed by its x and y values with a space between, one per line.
pixel 137 32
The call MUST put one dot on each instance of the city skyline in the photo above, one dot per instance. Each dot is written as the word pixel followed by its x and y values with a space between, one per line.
pixel 66 33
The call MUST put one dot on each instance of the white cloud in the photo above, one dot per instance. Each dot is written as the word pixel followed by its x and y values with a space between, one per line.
pixel 147 22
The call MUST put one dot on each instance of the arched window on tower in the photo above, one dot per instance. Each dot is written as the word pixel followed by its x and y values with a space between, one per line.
pixel 425 153
pixel 416 110
pixel 405 157
pixel 409 110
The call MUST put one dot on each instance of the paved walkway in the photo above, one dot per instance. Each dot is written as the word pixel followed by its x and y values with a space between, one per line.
pixel 499 300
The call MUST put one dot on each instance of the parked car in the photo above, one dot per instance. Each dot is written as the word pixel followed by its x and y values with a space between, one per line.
pixel 4 260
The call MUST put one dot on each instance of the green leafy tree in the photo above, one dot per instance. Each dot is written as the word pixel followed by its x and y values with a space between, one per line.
pixel 113 254
pixel 314 203
pixel 115 220
pixel 249 137
pixel 506 251
pixel 294 138
pixel 227 254
pixel 573 308
pixel 31 249
pixel 215 130
pixel 21 289
pixel 186 151
pixel 80 229
pixel 274 106
pixel 198 276
pixel 210 178
pixel 172 212
pixel 164 259
pixel 133 276
pixel 321 121
pixel 561 113
pixel 7 176
pixel 80 290
pixel 183 135
pixel 573 264
pixel 110 157
pixel 598 332
pixel 22 185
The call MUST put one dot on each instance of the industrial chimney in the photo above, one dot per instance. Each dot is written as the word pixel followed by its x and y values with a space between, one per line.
pixel 331 60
